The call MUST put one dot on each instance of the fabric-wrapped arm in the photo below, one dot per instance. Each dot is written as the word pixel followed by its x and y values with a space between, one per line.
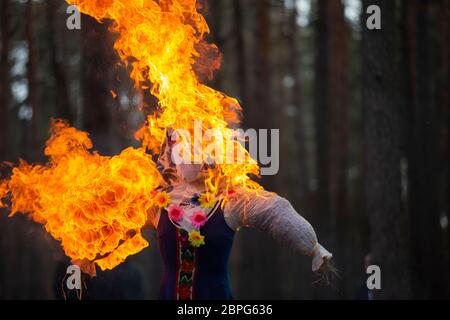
pixel 275 215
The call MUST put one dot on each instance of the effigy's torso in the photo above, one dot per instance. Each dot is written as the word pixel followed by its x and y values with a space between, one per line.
pixel 195 272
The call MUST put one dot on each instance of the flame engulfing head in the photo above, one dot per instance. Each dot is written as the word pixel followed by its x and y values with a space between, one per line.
pixel 96 205
pixel 164 42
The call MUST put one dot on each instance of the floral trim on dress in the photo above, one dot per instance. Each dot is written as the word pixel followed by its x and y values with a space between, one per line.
pixel 186 267
pixel 188 217
pixel 191 214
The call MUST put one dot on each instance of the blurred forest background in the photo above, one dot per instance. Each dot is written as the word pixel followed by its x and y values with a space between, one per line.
pixel 363 119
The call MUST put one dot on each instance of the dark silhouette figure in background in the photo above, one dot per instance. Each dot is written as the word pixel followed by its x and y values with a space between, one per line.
pixel 362 292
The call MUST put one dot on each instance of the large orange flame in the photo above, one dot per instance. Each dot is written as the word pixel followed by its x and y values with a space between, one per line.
pixel 95 205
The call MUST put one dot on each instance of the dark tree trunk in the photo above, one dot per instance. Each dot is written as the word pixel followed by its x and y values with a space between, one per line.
pixel 242 78
pixel 97 62
pixel 383 153
pixel 61 95
pixel 262 98
pixel 239 259
pixel 444 102
pixel 33 147
pixel 322 116
pixel 5 96
pixel 301 178
pixel 216 10
pixel 423 162
pixel 331 104
pixel 338 107
pixel 5 90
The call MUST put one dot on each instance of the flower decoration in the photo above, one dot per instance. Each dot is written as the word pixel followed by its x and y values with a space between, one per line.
pixel 196 238
pixel 198 219
pixel 207 200
pixel 162 199
pixel 176 213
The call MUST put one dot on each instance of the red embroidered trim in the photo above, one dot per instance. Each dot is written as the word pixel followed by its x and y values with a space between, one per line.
pixel 186 267
pixel 177 233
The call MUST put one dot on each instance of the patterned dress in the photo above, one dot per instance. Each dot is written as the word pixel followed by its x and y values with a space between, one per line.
pixel 191 272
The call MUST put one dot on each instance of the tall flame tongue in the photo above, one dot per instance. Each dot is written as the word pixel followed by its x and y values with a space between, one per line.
pixel 95 205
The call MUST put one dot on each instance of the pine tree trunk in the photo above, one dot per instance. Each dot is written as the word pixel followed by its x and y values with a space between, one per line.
pixel 216 24
pixel 383 153
pixel 444 102
pixel 33 147
pixel 5 91
pixel 338 129
pixel 62 96
pixel 300 180
pixel 97 62
pixel 5 96
pixel 446 118
pixel 331 107
pixel 443 105
pixel 262 52
pixel 322 117
pixel 423 162
pixel 238 30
